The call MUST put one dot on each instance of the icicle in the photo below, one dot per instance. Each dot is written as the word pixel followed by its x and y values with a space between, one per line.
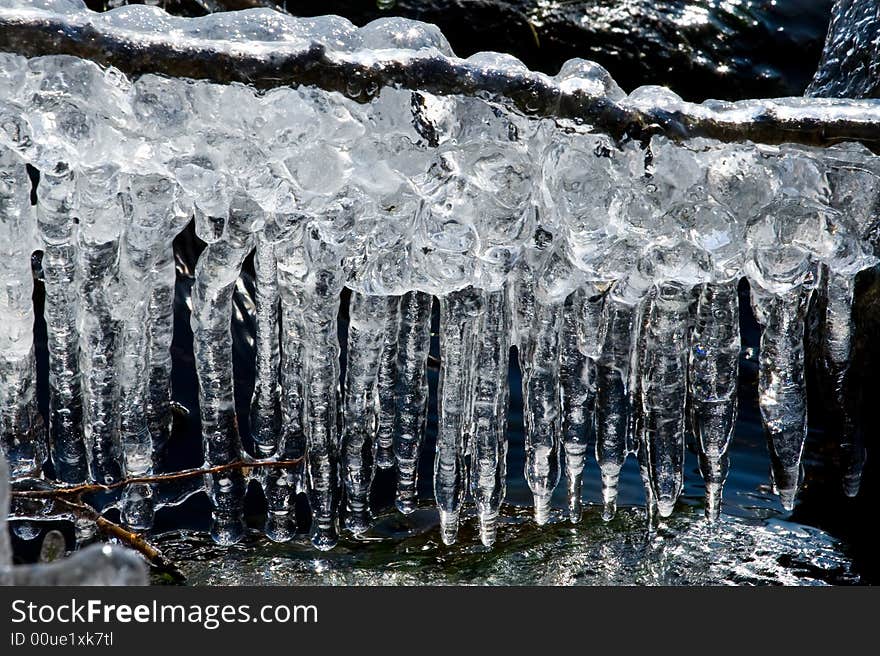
pixel 137 445
pixel 368 319
pixel 266 406
pixel 161 322
pixel 836 332
pixel 266 402
pixel 782 389
pixel 541 401
pixel 323 285
pixel 387 387
pixel 100 331
pixel 282 485
pixel 411 394
pixel 146 278
pixel 459 312
pixel 141 240
pixel 490 395
pixel 612 405
pixel 57 229
pixel 521 298
pixel 22 433
pixel 713 371
pixel 662 393
pixel 216 273
pixel 576 373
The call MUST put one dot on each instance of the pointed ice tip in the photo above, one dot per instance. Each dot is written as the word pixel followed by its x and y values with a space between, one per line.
pixel 226 530
pixel 609 510
pixel 357 522
pixel 713 513
pixel 279 528
pixel 851 485
pixel 488 532
pixel 542 510
pixel 405 506
pixel 448 527
pixel 138 523
pixel 787 498
pixel 324 539
pixel 665 506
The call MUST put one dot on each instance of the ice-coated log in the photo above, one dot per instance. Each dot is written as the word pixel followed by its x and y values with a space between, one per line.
pixel 323 285
pixel 662 391
pixel 100 330
pixel 459 314
pixel 367 321
pixel 216 273
pixel 782 388
pixel 490 396
pixel 612 405
pixel 576 377
pixel 713 371
pixel 57 229
pixel 22 433
pixel 541 402
pixel 387 385
pixel 412 394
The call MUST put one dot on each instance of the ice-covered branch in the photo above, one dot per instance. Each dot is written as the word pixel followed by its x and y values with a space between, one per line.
pixel 284 51
pixel 612 265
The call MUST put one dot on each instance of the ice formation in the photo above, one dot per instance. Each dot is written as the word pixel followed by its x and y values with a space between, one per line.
pixel 610 264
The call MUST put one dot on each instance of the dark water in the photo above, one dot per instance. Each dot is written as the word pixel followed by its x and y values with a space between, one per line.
pixel 700 49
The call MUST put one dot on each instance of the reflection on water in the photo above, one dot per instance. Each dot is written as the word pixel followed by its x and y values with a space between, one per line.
pixel 407 551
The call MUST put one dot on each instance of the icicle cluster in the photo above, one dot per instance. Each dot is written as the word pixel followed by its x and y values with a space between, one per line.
pixel 612 267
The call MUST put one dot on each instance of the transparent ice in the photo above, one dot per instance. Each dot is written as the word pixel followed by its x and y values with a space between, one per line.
pixel 612 266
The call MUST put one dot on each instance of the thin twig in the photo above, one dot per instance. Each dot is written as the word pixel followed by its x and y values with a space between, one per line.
pixel 131 539
pixel 87 488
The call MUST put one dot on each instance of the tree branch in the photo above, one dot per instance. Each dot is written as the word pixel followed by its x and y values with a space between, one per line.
pixel 70 498
pixel 361 74
pixel 87 488
pixel 129 538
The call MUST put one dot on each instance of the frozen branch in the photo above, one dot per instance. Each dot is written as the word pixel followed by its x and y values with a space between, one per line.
pixel 361 74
